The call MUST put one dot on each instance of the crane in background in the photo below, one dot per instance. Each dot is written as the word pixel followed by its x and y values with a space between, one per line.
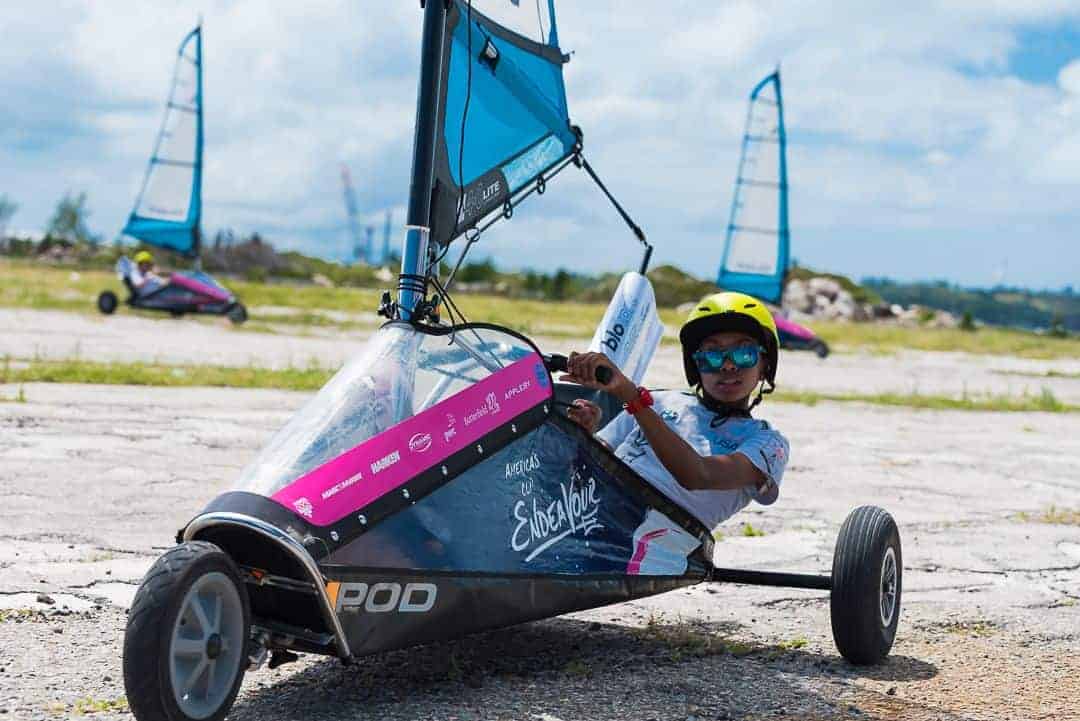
pixel 361 245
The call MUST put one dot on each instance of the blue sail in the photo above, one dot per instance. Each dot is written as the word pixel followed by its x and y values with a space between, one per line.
pixel 503 118
pixel 169 207
pixel 756 250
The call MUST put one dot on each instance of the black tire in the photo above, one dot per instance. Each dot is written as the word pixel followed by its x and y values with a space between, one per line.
pixel 867 573
pixel 107 302
pixel 154 615
pixel 176 313
pixel 237 314
pixel 820 348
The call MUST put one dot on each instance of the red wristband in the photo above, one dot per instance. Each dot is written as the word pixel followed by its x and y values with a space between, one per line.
pixel 644 400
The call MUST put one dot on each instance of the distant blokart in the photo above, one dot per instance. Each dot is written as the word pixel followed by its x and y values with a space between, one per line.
pixel 188 292
pixel 168 210
pixel 435 487
pixel 796 337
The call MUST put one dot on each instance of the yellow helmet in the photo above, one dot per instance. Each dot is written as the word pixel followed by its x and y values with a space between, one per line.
pixel 143 256
pixel 729 312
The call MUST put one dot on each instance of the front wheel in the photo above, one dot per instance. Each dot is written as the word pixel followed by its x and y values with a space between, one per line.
pixel 107 302
pixel 185 647
pixel 820 348
pixel 238 313
pixel 866 584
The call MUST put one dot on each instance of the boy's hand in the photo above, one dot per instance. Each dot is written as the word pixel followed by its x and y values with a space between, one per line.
pixel 581 368
pixel 585 413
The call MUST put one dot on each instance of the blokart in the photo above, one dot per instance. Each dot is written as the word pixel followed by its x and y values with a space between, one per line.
pixel 797 337
pixel 168 210
pixel 190 292
pixel 434 487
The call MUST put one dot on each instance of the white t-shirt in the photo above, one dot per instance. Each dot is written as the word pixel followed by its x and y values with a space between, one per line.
pixel 144 284
pixel 709 434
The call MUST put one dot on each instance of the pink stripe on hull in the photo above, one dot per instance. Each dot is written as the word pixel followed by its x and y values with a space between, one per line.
pixel 388 460
pixel 634 567
pixel 196 287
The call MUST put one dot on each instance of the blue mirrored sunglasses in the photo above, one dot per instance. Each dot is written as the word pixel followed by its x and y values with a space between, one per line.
pixel 712 361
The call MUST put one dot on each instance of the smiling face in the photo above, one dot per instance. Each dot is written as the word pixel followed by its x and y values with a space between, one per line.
pixel 731 385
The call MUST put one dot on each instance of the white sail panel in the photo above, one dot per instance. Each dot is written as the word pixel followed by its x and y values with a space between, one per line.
pixel 756 253
pixel 528 18
pixel 167 195
pixel 169 186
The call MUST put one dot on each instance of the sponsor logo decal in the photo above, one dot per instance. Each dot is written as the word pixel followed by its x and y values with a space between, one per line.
pixel 386 597
pixel 386 461
pixel 491 407
pixel 420 442
pixel 518 389
pixel 540 526
pixel 303 507
pixel 341 486
pixel 541 375
pixel 450 431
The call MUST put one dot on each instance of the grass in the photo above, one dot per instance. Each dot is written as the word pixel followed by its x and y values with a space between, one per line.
pixel 18 614
pixel 1045 401
pixel 1045 374
pixel 90 705
pixel 750 532
pixel 313 377
pixel 26 284
pixel 153 374
pixel 1053 515
pixel 978 629
pixel 887 338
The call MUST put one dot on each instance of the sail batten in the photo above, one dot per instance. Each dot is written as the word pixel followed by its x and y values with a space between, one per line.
pixel 169 206
pixel 756 249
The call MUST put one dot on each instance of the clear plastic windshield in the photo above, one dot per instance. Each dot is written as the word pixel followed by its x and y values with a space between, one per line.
pixel 401 372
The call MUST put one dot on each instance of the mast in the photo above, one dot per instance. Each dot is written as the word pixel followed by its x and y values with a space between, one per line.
pixel 784 261
pixel 412 287
pixel 196 247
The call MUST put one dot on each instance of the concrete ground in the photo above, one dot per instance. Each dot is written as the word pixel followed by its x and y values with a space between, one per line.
pixel 95 480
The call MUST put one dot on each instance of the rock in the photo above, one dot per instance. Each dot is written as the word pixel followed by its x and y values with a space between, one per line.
pixel 45 598
pixel 321 280
pixel 824 286
pixel 384 275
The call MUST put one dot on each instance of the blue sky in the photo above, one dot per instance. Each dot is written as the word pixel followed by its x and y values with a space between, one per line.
pixel 928 139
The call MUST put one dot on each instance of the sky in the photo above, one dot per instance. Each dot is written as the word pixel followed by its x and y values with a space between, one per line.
pixel 927 139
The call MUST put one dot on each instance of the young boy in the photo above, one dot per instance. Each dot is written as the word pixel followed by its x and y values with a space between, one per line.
pixel 702 449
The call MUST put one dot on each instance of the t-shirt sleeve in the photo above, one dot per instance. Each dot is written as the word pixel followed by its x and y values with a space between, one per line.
pixel 768 450
pixel 616 431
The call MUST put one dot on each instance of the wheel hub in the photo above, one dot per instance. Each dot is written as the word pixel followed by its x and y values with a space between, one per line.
pixel 213 646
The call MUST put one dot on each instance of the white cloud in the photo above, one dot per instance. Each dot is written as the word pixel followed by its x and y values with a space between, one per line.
pixel 900 116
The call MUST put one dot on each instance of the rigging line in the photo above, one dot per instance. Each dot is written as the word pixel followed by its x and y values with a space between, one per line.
pixel 540 22
pixel 625 216
pixel 464 115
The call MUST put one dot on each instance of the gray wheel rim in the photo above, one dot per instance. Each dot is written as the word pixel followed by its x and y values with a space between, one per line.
pixel 888 587
pixel 207 645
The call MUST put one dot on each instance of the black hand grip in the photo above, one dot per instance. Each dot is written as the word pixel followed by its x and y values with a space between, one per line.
pixel 556 362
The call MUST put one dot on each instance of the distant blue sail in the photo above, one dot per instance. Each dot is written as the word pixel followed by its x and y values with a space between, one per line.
pixel 503 113
pixel 169 207
pixel 757 247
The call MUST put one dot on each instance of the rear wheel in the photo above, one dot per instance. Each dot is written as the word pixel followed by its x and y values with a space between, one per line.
pixel 237 314
pixel 185 647
pixel 820 348
pixel 107 302
pixel 866 584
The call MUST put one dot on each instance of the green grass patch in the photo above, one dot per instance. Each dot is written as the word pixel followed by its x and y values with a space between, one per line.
pixel 888 338
pixel 153 374
pixel 749 531
pixel 1045 401
pixel 1053 515
pixel 1044 374
pixel 18 614
pixel 91 705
